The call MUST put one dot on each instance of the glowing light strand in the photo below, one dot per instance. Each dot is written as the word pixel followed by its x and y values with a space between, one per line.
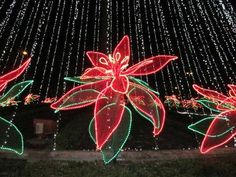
pixel 30 31
pixel 130 29
pixel 49 48
pixel 25 32
pixel 4 22
pixel 210 28
pixel 14 32
pixel 85 34
pixel 82 21
pixel 184 67
pixel 174 66
pixel 95 24
pixel 39 27
pixel 42 20
pixel 76 15
pixel 224 13
pixel 204 45
pixel 161 22
pixel 56 48
pixel 73 4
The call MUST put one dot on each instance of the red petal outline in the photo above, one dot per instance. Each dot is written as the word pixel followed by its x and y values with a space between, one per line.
pixel 207 144
pixel 232 94
pixel 98 86
pixel 99 59
pixel 161 111
pixel 15 73
pixel 122 52
pixel 150 65
pixel 229 101
pixel 120 84
pixel 232 90
pixel 2 86
pixel 210 94
pixel 96 72
pixel 106 124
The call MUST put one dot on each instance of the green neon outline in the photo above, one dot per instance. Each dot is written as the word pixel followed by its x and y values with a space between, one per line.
pixel 122 145
pixel 228 106
pixel 77 80
pixel 190 127
pixel 145 84
pixel 86 90
pixel 86 81
pixel 202 102
pixel 23 85
pixel 21 138
pixel 142 114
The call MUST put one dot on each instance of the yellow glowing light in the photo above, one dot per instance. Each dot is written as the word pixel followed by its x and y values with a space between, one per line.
pixel 24 53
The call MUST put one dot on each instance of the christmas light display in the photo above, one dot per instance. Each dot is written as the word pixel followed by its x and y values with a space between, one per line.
pixel 220 128
pixel 111 85
pixel 16 145
pixel 30 98
pixel 174 102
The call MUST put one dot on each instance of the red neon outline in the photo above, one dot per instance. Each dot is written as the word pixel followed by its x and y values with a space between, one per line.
pixel 232 89
pixel 203 149
pixel 123 84
pixel 211 94
pixel 100 143
pixel 2 86
pixel 78 88
pixel 95 72
pixel 13 74
pixel 156 131
pixel 123 46
pixel 114 67
pixel 231 94
pixel 95 61
pixel 147 66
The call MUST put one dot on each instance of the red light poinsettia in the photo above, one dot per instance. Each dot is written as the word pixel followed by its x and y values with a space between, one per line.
pixel 110 85
pixel 15 140
pixel 222 128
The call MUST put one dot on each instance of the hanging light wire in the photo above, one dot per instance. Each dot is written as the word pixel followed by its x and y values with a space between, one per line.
pixel 45 15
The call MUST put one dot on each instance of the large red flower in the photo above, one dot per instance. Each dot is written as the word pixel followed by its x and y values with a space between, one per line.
pixel 222 128
pixel 108 85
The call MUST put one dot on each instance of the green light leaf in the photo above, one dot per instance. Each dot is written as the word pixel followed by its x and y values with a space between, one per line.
pixel 13 139
pixel 80 81
pixel 15 91
pixel 79 99
pixel 118 139
pixel 209 105
pixel 145 84
pixel 152 107
pixel 201 126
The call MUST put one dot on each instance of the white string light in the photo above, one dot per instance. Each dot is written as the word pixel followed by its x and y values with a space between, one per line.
pixel 49 48
pixel 43 21
pixel 85 35
pixel 13 34
pixel 63 57
pixel 55 48
pixel 5 21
